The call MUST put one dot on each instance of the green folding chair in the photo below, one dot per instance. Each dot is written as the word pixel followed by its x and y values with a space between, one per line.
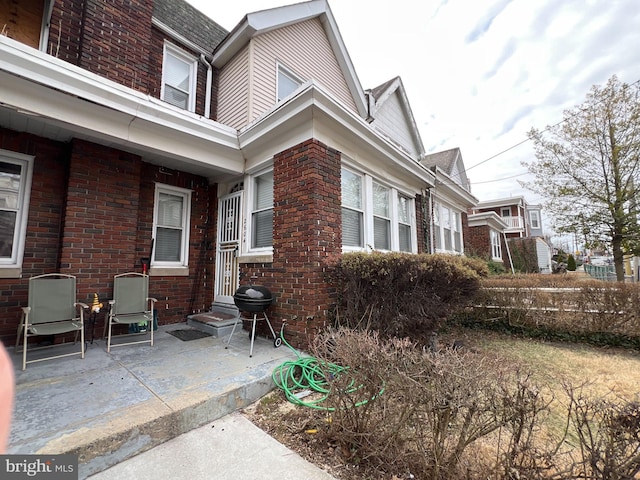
pixel 131 305
pixel 52 310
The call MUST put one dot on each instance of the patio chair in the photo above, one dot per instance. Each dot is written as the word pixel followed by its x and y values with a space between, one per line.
pixel 131 305
pixel 52 310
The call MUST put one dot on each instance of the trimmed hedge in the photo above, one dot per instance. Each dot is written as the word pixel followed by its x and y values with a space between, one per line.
pixel 400 294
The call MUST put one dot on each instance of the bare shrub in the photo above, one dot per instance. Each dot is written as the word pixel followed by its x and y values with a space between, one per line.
pixel 406 410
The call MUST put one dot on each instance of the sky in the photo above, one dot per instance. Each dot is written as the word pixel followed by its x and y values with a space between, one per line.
pixel 479 74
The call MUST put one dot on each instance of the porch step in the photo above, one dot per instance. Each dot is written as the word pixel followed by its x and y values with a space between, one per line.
pixel 216 323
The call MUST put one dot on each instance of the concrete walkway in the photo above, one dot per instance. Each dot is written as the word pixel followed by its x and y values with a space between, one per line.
pixel 110 407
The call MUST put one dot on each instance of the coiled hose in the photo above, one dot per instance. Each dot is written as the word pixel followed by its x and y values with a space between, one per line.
pixel 298 378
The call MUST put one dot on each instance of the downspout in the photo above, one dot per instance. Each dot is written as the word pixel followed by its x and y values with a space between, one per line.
pixel 207 101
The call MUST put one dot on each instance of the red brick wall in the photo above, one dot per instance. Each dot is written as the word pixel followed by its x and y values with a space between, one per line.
pixel 111 39
pixel 306 238
pixel 44 224
pixel 91 215
pixel 477 241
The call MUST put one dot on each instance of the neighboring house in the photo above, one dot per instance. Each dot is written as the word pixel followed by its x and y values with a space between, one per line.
pixel 450 200
pixel 142 129
pixel 523 221
pixel 486 238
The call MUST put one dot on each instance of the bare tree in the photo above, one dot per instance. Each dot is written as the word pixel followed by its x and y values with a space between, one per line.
pixel 587 169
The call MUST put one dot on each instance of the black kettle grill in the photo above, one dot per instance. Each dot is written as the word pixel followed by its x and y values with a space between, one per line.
pixel 254 299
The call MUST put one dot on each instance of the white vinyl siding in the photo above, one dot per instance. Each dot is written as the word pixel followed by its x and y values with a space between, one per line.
pixel 171 226
pixel 15 189
pixel 233 91
pixel 179 76
pixel 247 87
pixel 392 121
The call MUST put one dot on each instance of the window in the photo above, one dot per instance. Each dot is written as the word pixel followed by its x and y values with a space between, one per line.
pixel 496 248
pixel 352 211
pixel 381 218
pixel 171 226
pixel 27 22
pixel 287 83
pixel 374 215
pixel 262 211
pixel 505 212
pixel 15 188
pixel 534 217
pixel 179 71
pixel 404 224
pixel 447 229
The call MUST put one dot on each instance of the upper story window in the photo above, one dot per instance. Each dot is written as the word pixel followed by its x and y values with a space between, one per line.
pixel 505 212
pixel 287 83
pixel 171 223
pixel 496 247
pixel 15 188
pixel 261 191
pixel 27 22
pixel 534 217
pixel 375 215
pixel 179 74
pixel 447 229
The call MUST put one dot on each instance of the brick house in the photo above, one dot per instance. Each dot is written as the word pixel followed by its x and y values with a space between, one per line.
pixel 142 129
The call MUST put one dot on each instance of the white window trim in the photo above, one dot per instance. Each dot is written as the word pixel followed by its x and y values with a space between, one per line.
pixel 250 190
pixel 367 211
pixel 170 49
pixel 439 204
pixel 12 268
pixel 495 235
pixel 536 214
pixel 281 69
pixel 186 226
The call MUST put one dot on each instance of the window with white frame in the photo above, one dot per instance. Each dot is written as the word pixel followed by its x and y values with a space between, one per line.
pixel 375 215
pixel 352 209
pixel 15 189
pixel 171 226
pixel 179 75
pixel 404 224
pixel 447 229
pixel 262 211
pixel 287 82
pixel 381 218
pixel 534 217
pixel 496 247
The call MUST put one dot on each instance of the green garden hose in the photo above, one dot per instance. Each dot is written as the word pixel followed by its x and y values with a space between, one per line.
pixel 307 374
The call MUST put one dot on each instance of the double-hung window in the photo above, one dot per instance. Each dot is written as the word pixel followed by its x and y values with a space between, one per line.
pixel 352 209
pixel 171 226
pixel 15 188
pixel 262 211
pixel 447 229
pixel 404 223
pixel 534 217
pixel 381 218
pixel 496 248
pixel 375 215
pixel 179 73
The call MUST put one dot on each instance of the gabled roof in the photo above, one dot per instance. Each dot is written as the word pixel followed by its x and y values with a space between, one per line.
pixel 188 22
pixel 449 162
pixel 266 20
pixel 377 98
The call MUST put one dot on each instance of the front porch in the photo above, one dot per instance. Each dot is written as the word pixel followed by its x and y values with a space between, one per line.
pixel 112 406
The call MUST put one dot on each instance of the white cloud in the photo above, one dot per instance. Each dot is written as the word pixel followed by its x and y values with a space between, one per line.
pixel 480 74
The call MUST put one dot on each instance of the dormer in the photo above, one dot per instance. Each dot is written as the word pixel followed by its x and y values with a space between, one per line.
pixel 272 53
pixel 390 114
